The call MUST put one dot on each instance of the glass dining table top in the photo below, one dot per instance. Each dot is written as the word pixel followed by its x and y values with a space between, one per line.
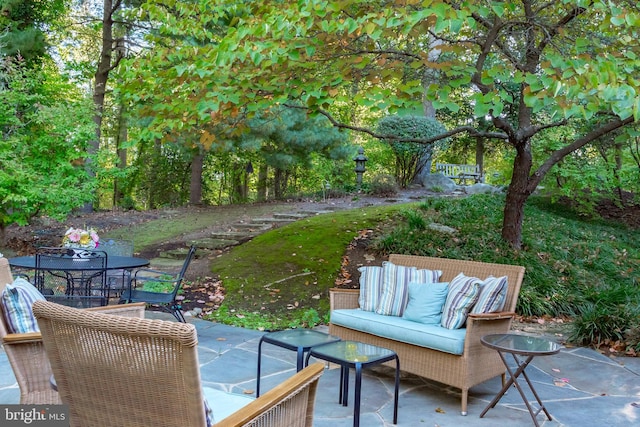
pixel 113 263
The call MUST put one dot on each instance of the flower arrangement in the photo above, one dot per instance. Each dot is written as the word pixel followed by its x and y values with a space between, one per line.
pixel 79 238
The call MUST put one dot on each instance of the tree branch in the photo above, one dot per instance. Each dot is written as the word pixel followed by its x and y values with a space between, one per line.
pixel 561 153
pixel 468 129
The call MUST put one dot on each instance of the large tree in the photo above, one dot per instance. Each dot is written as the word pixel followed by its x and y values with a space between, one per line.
pixel 527 66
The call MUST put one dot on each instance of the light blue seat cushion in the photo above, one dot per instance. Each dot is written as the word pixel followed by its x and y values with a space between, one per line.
pixel 223 404
pixel 396 328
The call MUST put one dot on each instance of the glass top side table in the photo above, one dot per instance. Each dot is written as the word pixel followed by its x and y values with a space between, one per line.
pixel 523 348
pixel 298 340
pixel 357 355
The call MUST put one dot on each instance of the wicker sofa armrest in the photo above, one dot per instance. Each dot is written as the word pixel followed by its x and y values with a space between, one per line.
pixel 29 337
pixel 343 298
pixel 492 316
pixel 485 324
pixel 289 403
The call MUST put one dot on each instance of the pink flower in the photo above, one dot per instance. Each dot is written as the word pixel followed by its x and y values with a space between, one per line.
pixel 74 236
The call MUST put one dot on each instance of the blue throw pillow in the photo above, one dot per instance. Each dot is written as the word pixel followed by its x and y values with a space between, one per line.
pixel 425 302
pixel 17 299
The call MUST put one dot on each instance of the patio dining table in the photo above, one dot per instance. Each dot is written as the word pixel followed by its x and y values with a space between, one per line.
pixel 114 262
pixel 69 268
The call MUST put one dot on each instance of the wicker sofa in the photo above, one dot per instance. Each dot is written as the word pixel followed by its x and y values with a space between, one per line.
pixel 476 363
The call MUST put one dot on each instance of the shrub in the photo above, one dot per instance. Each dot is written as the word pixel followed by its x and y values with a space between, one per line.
pixel 383 185
pixel 411 157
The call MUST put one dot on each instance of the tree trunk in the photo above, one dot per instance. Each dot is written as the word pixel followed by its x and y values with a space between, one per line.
pixel 517 194
pixel 277 183
pixel 100 86
pixel 262 182
pixel 480 156
pixel 118 184
pixel 195 185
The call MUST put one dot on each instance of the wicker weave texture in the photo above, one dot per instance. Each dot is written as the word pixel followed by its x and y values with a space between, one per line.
pixel 27 357
pixel 130 372
pixel 117 371
pixel 477 363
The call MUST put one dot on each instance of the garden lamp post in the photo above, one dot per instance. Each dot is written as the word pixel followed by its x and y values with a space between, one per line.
pixel 360 160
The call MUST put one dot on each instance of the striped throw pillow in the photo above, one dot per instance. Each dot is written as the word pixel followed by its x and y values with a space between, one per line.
pixel 395 286
pixel 463 293
pixel 493 292
pixel 370 287
pixel 17 299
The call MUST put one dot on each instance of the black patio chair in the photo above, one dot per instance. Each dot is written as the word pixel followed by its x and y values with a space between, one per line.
pixel 117 280
pixel 166 300
pixel 74 277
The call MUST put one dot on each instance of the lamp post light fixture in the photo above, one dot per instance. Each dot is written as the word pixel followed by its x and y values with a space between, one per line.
pixel 360 160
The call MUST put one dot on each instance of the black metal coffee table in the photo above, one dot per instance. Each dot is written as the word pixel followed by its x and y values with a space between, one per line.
pixel 356 355
pixel 527 347
pixel 298 340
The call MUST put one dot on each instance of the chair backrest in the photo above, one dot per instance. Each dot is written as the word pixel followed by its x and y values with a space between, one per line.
pixel 187 261
pixel 72 276
pixel 115 371
pixel 120 247
pixel 183 270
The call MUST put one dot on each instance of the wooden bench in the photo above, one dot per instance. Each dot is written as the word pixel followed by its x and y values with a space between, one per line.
pixel 460 172
pixel 477 363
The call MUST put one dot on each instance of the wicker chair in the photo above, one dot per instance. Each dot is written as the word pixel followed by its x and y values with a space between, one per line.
pixel 140 372
pixel 26 352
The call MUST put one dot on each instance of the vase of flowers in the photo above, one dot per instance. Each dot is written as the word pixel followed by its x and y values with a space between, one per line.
pixel 80 240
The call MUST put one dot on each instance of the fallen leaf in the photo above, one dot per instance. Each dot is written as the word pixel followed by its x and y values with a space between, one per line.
pixel 440 410
pixel 221 339
pixel 248 391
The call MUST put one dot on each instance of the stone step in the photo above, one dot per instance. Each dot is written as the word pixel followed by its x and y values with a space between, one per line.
pixel 213 243
pixel 178 253
pixel 251 226
pixel 166 264
pixel 291 215
pixel 314 212
pixel 274 220
pixel 233 235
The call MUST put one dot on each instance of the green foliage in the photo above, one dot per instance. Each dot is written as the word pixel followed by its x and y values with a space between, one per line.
pixel 265 321
pixel 411 156
pixel 160 176
pixel 21 27
pixel 383 185
pixel 42 152
pixel 610 312
pixel 162 283
pixel 555 71
pixel 569 270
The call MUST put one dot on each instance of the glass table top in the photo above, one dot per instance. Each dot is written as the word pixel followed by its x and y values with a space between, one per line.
pixel 521 344
pixel 353 352
pixel 299 337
